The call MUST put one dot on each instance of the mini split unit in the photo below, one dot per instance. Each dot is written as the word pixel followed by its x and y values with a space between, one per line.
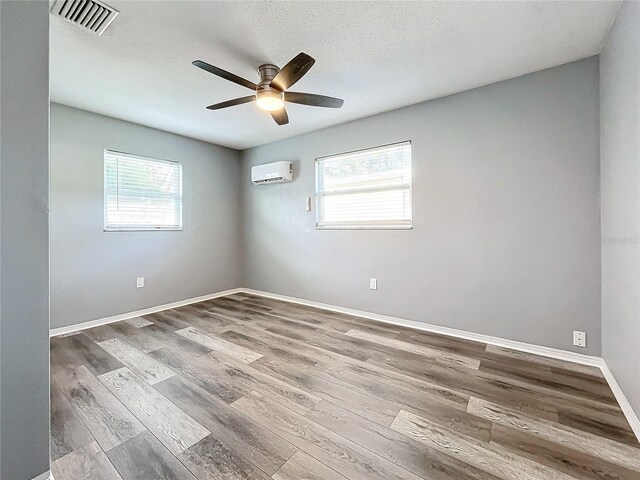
pixel 277 172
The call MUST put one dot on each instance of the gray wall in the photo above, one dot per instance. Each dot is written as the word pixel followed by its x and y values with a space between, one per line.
pixel 506 237
pixel 24 245
pixel 620 185
pixel 93 273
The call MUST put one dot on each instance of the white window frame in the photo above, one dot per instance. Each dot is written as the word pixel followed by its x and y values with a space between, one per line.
pixel 139 228
pixel 364 225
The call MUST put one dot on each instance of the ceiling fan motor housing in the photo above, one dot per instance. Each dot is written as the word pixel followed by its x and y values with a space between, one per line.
pixel 267 72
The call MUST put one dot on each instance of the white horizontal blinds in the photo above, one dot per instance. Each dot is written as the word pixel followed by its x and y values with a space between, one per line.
pixel 365 189
pixel 142 193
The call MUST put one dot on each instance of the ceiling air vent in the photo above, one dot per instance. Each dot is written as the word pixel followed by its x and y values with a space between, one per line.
pixel 89 14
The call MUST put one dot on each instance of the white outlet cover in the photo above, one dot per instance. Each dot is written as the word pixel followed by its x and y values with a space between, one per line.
pixel 140 282
pixel 579 338
pixel 373 283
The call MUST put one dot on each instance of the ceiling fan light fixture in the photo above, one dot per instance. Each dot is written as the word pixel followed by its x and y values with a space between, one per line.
pixel 272 91
pixel 270 100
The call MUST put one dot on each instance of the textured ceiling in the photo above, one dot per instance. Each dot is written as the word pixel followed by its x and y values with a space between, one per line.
pixel 376 55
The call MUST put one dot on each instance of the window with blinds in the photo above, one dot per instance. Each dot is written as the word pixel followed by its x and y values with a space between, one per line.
pixel 367 189
pixel 141 193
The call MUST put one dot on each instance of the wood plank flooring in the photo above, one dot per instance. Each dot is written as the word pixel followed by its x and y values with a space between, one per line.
pixel 246 387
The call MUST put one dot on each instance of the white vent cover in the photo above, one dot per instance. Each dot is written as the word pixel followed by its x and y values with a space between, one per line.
pixel 89 14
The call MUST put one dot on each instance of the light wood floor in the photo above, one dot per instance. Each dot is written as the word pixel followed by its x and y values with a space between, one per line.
pixel 249 387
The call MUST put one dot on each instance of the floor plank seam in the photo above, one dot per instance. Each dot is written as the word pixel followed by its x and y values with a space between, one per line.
pixel 335 433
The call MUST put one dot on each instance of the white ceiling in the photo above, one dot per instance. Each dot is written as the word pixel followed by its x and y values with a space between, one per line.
pixel 377 56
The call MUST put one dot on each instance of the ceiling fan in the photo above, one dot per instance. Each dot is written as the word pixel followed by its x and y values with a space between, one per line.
pixel 271 93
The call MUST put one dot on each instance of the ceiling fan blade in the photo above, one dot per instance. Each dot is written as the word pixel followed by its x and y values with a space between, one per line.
pixel 224 74
pixel 292 71
pixel 313 99
pixel 231 103
pixel 280 116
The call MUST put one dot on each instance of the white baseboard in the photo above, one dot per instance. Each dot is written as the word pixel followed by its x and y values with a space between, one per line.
pixel 452 332
pixel 124 316
pixel 44 476
pixel 632 418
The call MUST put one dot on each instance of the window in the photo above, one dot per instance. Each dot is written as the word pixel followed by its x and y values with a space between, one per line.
pixel 141 193
pixel 365 189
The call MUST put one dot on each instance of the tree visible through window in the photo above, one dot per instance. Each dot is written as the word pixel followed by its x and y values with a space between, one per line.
pixel 141 193
pixel 365 189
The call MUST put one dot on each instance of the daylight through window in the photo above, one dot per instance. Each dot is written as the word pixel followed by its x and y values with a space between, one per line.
pixel 141 193
pixel 365 189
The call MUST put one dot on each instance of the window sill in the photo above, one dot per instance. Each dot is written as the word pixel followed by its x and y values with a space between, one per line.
pixel 142 229
pixel 364 227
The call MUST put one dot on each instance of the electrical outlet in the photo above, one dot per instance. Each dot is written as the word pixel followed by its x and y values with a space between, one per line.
pixel 140 282
pixel 373 283
pixel 579 339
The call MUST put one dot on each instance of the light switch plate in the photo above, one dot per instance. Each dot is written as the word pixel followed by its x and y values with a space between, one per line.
pixel 373 283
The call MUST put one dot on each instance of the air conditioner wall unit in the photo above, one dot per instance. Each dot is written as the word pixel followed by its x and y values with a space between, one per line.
pixel 276 172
